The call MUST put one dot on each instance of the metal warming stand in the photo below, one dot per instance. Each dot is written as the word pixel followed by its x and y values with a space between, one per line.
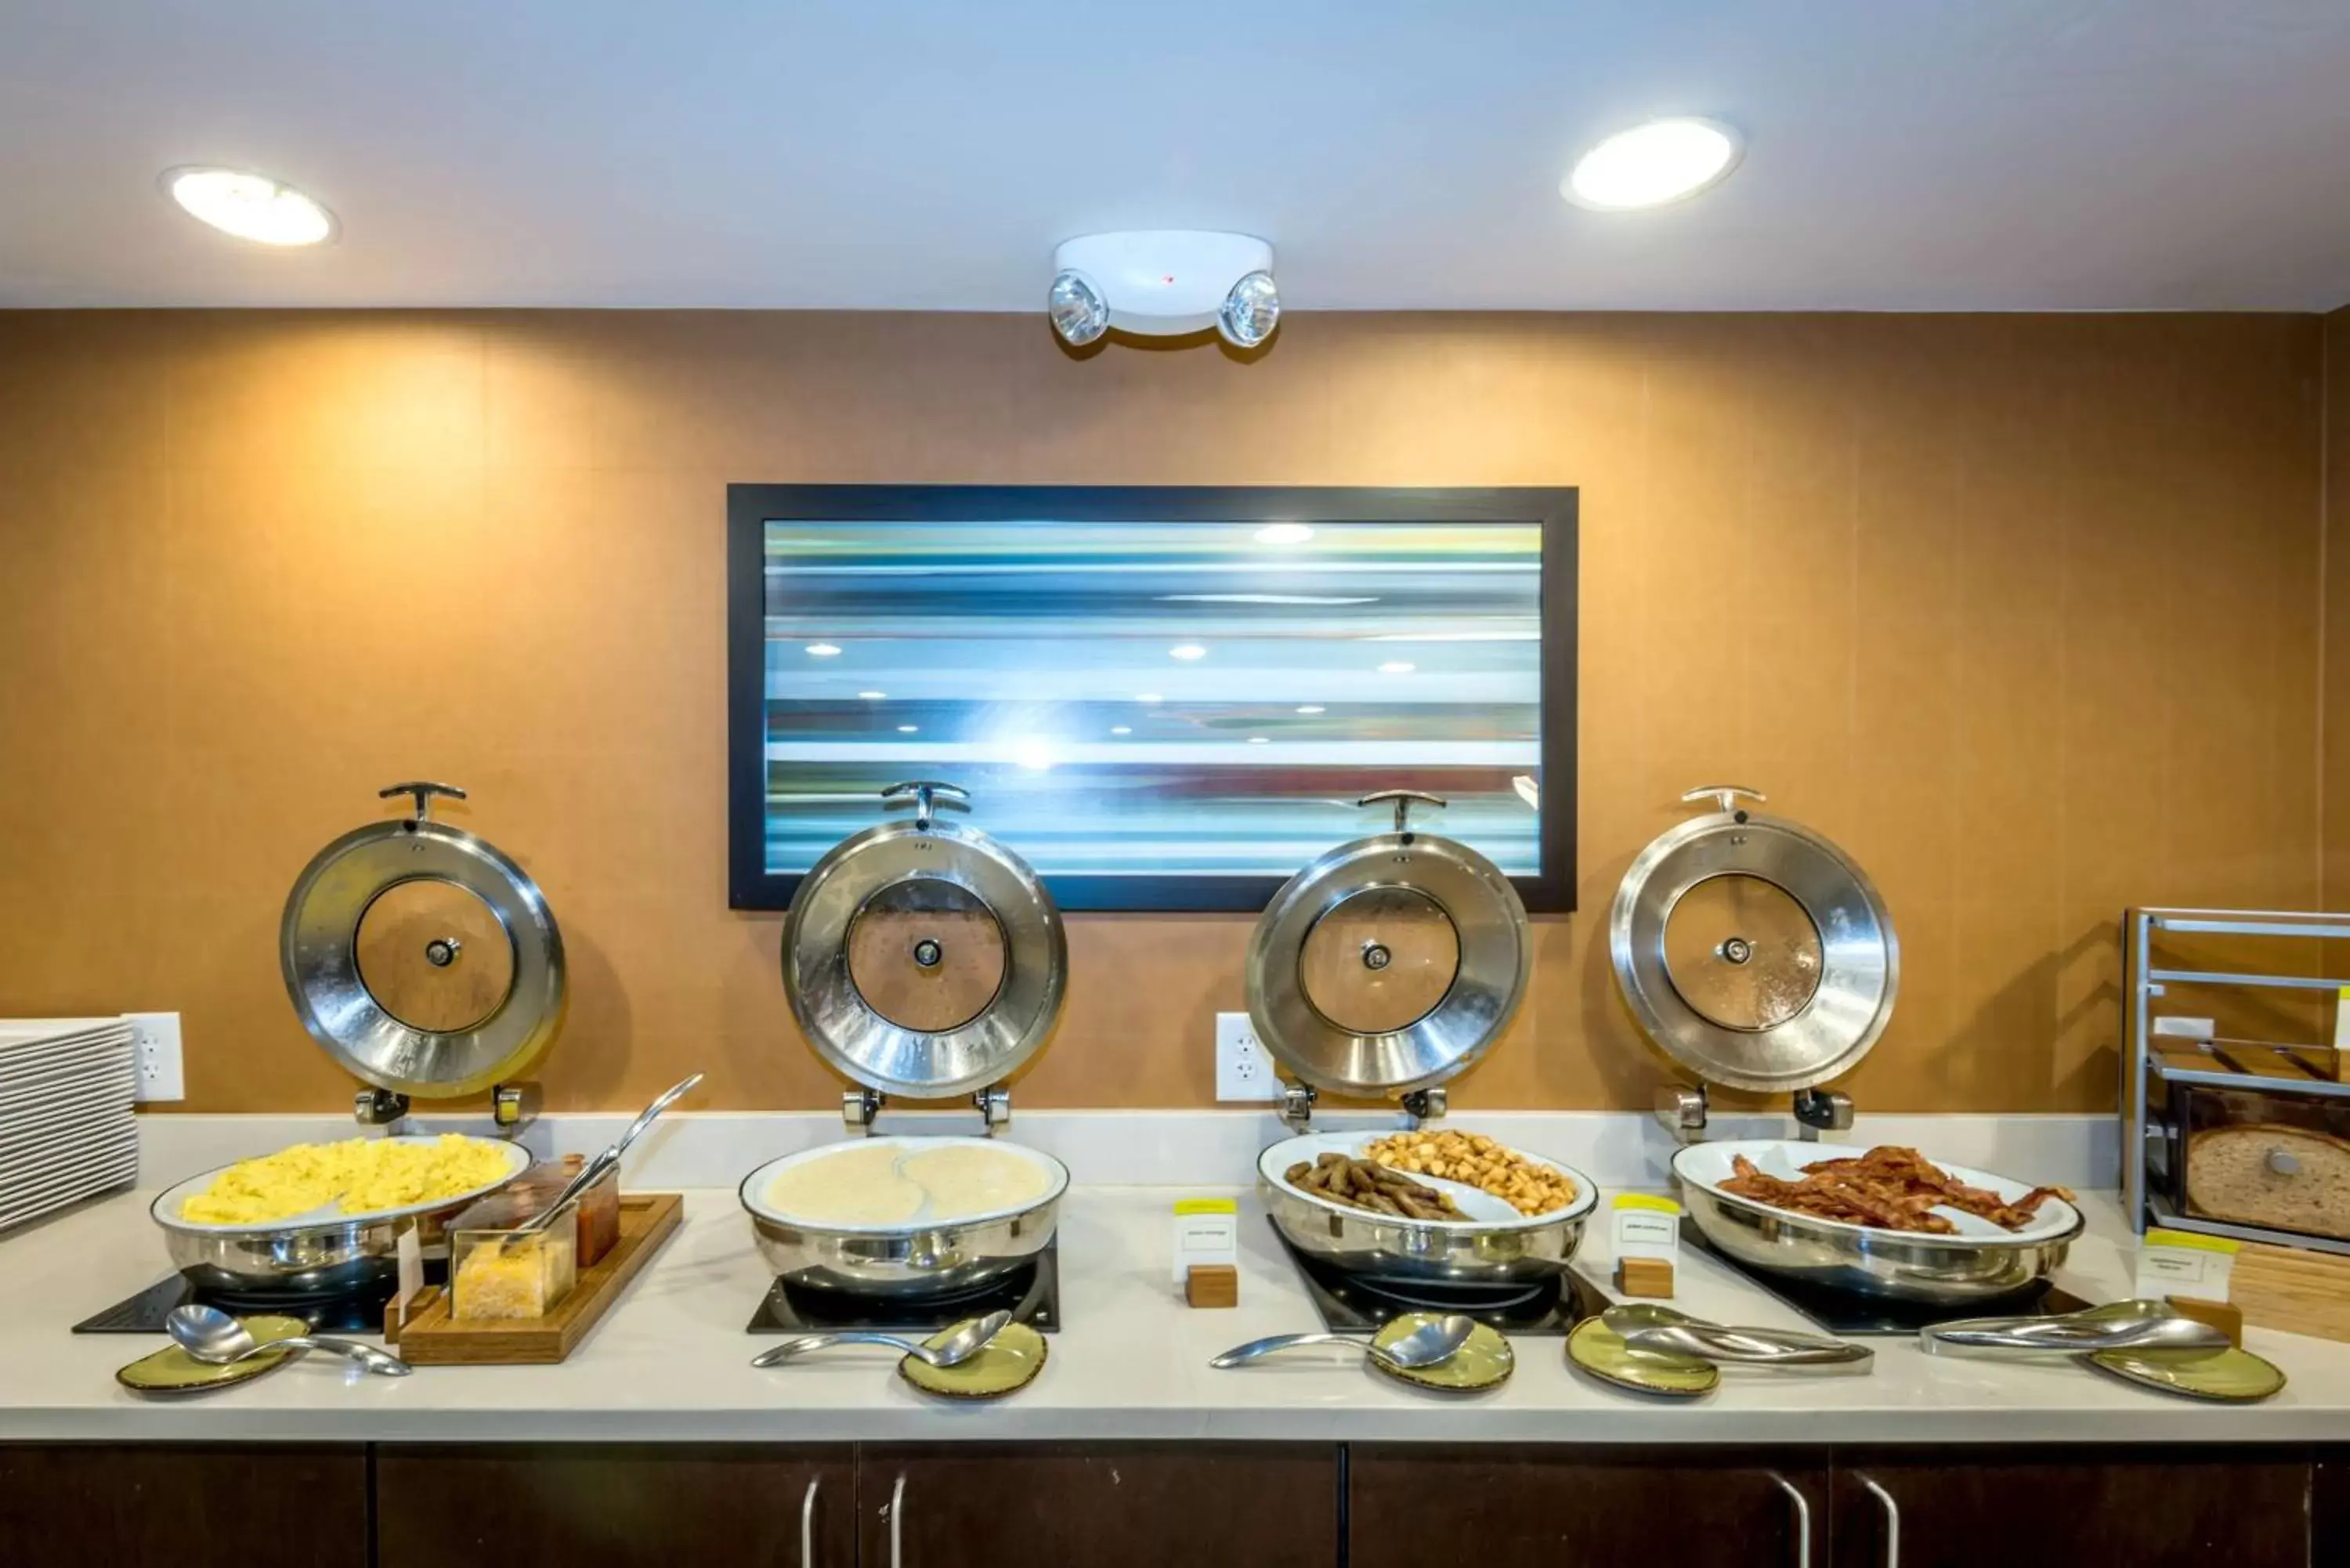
pixel 1387 967
pixel 924 958
pixel 425 962
pixel 1756 956
pixel 2153 1145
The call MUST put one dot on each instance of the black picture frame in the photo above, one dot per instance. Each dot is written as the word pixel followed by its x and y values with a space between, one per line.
pixel 750 507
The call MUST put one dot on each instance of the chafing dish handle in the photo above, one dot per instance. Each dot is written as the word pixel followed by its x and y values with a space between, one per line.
pixel 1892 1522
pixel 422 791
pixel 1803 1518
pixel 897 1520
pixel 1725 797
pixel 928 795
pixel 807 1523
pixel 1403 799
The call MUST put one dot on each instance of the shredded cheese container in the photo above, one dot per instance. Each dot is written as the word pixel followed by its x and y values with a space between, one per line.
pixel 495 1273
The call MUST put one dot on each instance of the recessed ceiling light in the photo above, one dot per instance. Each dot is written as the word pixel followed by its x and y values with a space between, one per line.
pixel 1122 728
pixel 873 696
pixel 1650 165
pixel 1314 707
pixel 1148 697
pixel 250 206
pixel 907 728
pixel 1397 667
pixel 1187 650
pixel 1259 741
pixel 1036 756
pixel 822 651
pixel 1283 534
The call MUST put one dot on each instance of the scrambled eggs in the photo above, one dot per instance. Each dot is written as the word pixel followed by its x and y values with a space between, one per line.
pixel 362 1174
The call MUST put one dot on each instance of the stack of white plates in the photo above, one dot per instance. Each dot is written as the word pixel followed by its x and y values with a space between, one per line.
pixel 66 1126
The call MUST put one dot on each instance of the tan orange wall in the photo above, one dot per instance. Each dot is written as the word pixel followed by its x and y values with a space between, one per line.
pixel 2337 609
pixel 2024 611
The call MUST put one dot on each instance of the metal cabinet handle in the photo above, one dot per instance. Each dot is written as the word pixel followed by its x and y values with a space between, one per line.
pixel 897 1523
pixel 1892 1522
pixel 1803 1518
pixel 807 1523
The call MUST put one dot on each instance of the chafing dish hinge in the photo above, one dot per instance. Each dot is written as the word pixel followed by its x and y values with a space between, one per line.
pixel 1821 1110
pixel 379 1108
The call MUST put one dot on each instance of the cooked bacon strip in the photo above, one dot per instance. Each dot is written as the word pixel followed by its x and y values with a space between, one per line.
pixel 1888 1189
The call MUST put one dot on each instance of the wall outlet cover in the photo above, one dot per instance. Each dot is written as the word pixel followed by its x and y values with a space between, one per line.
pixel 1244 1066
pixel 155 1057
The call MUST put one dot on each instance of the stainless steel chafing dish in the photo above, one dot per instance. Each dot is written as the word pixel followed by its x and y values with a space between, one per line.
pixel 1385 969
pixel 921 959
pixel 1757 956
pixel 916 1259
pixel 1941 1270
pixel 1494 1246
pixel 427 964
pixel 307 1256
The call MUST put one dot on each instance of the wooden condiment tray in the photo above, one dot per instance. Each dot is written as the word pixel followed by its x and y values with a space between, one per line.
pixel 2298 1291
pixel 431 1337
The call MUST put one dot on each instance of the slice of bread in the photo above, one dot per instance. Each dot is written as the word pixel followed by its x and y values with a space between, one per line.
pixel 2230 1176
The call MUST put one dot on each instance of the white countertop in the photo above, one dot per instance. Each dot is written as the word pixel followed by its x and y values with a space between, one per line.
pixel 671 1363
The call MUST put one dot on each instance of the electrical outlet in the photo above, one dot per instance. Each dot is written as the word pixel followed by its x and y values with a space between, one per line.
pixel 155 1056
pixel 1243 1068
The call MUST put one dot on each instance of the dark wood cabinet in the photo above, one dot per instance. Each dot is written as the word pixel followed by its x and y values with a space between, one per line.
pixel 192 1505
pixel 590 1505
pixel 1493 1507
pixel 2329 1510
pixel 1097 1505
pixel 1158 1505
pixel 2059 1508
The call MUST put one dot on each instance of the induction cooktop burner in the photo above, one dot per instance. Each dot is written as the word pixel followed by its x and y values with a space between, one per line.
pixel 1363 1304
pixel 1030 1293
pixel 1849 1312
pixel 344 1312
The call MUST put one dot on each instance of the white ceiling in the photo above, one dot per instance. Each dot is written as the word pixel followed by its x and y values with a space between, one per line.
pixel 1903 154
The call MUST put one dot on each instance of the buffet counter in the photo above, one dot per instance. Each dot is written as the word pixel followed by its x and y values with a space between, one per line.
pixel 1130 1362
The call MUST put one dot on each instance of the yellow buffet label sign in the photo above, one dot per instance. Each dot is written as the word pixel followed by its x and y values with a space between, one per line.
pixel 2191 1240
pixel 1646 1201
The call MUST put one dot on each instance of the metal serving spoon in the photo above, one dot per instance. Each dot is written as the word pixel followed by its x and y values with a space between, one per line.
pixel 1433 1341
pixel 212 1336
pixel 967 1341
pixel 1645 1326
pixel 595 1168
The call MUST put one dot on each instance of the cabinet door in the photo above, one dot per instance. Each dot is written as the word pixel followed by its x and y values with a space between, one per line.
pixel 1076 1505
pixel 589 1504
pixel 1495 1507
pixel 2057 1508
pixel 2329 1508
pixel 208 1505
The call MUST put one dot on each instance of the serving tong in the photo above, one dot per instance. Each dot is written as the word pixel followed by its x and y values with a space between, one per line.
pixel 2131 1325
pixel 593 1169
pixel 1644 1325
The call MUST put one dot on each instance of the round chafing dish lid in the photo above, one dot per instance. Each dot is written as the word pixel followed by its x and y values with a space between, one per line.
pixel 423 958
pixel 1390 964
pixel 922 957
pixel 1753 951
